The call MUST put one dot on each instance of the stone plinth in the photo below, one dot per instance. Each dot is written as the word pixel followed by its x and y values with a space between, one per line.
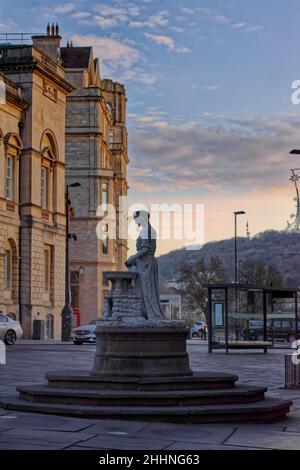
pixel 128 345
pixel 123 300
pixel 141 351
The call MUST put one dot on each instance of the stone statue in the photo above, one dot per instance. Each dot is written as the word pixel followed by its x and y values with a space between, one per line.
pixel 145 264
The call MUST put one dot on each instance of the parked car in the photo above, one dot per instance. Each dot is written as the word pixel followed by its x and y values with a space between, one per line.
pixel 282 328
pixel 84 333
pixel 199 328
pixel 10 330
pixel 277 328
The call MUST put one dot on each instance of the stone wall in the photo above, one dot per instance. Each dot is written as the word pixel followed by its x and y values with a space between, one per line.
pixel 43 139
pixel 11 113
pixel 91 162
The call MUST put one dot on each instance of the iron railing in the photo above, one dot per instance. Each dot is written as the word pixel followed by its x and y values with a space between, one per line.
pixel 17 38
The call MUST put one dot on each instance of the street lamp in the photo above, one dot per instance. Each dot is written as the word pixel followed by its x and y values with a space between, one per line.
pixel 235 244
pixel 241 262
pixel 67 313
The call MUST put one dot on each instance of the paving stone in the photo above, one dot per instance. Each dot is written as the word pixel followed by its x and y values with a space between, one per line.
pixel 4 427
pixel 262 427
pixel 206 434
pixel 44 422
pixel 293 429
pixel 194 446
pixel 106 426
pixel 265 440
pixel 12 444
pixel 81 449
pixel 121 443
pixel 40 437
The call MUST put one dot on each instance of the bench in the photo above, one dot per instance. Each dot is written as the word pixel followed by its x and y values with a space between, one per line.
pixel 244 345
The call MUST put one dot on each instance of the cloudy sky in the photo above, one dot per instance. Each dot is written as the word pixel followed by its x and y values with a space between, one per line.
pixel 210 116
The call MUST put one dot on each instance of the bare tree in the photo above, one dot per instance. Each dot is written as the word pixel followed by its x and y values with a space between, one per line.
pixel 254 271
pixel 194 275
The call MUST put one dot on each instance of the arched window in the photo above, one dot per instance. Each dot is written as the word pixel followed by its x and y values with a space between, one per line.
pixel 110 109
pixel 13 147
pixel 11 267
pixel 48 161
pixel 8 267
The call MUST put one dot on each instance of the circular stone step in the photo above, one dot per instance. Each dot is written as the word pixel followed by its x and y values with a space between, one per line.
pixel 266 411
pixel 45 394
pixel 84 380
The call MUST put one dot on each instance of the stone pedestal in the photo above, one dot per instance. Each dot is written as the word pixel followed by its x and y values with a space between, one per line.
pixel 141 351
pixel 128 345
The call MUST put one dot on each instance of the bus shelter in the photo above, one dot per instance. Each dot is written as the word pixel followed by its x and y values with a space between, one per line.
pixel 244 316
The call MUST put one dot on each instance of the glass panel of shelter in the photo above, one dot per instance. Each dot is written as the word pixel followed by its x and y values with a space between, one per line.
pixel 245 315
pixel 281 323
pixel 218 320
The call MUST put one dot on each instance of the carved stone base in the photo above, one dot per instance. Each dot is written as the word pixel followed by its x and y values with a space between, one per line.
pixel 128 350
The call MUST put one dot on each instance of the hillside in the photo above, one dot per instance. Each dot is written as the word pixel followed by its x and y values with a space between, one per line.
pixel 273 247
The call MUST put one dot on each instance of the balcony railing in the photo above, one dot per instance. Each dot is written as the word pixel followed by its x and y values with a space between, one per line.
pixel 17 38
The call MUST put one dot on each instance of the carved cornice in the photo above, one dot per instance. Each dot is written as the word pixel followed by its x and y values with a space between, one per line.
pixel 34 65
pixel 16 100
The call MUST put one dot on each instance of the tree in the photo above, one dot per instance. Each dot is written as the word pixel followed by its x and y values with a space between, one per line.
pixel 194 275
pixel 254 271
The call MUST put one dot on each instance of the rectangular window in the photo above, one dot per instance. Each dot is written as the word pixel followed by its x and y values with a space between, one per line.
pixel 119 164
pixel 105 240
pixel 111 139
pixel 47 268
pixel 9 178
pixel 7 269
pixel 44 189
pixel 104 193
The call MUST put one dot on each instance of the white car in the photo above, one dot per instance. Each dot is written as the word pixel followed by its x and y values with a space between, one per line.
pixel 199 328
pixel 10 330
pixel 84 333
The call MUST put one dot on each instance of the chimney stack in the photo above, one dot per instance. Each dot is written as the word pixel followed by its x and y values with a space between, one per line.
pixel 49 44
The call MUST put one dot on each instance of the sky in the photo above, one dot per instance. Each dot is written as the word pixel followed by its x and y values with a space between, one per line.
pixel 209 86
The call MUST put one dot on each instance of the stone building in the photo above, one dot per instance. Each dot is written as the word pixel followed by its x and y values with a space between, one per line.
pixel 96 155
pixel 58 112
pixel 32 172
pixel 12 110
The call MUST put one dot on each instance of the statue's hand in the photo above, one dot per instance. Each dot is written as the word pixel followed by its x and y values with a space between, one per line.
pixel 130 261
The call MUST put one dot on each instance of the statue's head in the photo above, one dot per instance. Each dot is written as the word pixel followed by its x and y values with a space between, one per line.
pixel 141 218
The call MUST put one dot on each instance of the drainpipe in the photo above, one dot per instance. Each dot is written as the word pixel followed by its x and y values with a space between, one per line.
pixel 20 125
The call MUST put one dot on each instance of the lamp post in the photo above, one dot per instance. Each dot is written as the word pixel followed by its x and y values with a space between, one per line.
pixel 241 261
pixel 235 245
pixel 67 313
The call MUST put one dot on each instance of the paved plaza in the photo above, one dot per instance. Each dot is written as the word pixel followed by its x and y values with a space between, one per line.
pixel 27 362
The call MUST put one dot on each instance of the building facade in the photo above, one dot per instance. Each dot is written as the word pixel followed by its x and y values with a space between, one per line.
pixel 12 110
pixel 60 124
pixel 96 155
pixel 32 163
